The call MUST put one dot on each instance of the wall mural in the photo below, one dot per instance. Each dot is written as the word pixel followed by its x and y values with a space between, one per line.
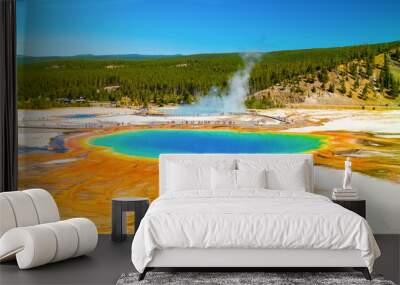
pixel 105 86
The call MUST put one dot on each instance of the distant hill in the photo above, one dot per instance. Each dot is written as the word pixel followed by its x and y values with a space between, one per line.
pixel 370 79
pixel 23 59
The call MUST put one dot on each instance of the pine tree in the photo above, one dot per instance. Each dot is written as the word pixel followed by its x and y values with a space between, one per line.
pixel 323 76
pixel 395 89
pixel 397 54
pixel 343 89
pixel 357 83
pixel 370 64
pixel 364 94
pixel 145 104
pixel 384 78
pixel 353 69
pixel 331 88
pixel 370 69
pixel 350 94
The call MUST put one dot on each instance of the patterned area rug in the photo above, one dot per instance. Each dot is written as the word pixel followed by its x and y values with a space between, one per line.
pixel 243 278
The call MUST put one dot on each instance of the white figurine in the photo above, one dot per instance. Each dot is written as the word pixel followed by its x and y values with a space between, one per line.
pixel 347 174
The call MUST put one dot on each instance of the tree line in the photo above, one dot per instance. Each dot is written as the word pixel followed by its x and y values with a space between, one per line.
pixel 179 79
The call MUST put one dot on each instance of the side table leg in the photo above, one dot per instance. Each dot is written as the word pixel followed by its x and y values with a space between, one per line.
pixel 118 223
pixel 140 211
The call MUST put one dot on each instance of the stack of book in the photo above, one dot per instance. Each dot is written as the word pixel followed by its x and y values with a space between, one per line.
pixel 344 194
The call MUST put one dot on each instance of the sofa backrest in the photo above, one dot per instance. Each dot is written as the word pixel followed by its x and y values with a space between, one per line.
pixel 213 159
pixel 26 208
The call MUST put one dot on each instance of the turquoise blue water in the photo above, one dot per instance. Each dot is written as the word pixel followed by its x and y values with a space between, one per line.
pixel 150 143
pixel 80 116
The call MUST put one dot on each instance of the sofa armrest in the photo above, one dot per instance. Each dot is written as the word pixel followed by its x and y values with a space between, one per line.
pixel 32 246
pixel 40 244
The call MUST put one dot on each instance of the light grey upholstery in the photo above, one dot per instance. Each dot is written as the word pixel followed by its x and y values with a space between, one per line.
pixel 31 230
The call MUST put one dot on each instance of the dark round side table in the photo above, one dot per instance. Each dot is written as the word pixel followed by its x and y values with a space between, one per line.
pixel 120 206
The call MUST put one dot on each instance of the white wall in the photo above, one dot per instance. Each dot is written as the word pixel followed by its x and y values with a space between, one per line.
pixel 382 196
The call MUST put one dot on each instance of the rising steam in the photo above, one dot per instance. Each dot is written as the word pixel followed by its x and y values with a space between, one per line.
pixel 228 101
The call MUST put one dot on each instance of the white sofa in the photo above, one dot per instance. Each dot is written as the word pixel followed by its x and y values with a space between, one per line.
pixel 31 230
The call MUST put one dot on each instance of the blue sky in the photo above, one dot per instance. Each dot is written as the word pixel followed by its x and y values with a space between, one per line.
pixel 70 27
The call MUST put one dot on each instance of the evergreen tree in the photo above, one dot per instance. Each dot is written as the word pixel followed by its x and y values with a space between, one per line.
pixel 370 69
pixel 364 94
pixel 370 61
pixel 353 69
pixel 343 89
pixel 357 83
pixel 331 88
pixel 385 76
pixel 323 76
pixel 350 94
pixel 397 54
pixel 394 92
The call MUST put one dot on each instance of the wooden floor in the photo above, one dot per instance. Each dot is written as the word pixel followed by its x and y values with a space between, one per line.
pixel 111 259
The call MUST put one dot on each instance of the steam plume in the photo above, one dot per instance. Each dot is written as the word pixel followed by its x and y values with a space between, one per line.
pixel 229 101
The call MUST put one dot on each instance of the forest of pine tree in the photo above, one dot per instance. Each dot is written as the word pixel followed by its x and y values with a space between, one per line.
pixel 181 79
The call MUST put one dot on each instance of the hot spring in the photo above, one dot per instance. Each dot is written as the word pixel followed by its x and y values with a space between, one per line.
pixel 227 101
pixel 80 116
pixel 151 143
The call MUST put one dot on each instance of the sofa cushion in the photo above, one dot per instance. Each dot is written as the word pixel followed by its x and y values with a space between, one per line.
pixel 46 207
pixel 23 208
pixel 7 220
